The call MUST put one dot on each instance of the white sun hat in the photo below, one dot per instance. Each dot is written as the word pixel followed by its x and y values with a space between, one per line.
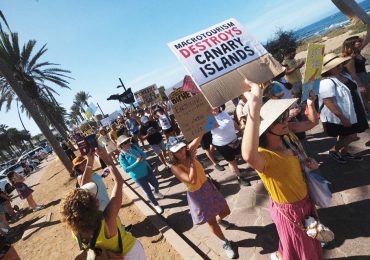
pixel 122 139
pixel 271 111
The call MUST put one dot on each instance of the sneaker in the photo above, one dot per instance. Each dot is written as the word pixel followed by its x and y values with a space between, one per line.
pixel 243 182
pixel 158 209
pixel 229 250
pixel 38 207
pixel 336 156
pixel 352 157
pixel 274 256
pixel 219 167
pixel 158 195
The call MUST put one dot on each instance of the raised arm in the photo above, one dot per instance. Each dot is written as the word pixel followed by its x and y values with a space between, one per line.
pixel 87 175
pixel 193 146
pixel 313 118
pixel 250 141
pixel 115 203
pixel 187 177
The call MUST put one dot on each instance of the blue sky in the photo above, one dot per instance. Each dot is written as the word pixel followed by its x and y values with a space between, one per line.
pixel 100 41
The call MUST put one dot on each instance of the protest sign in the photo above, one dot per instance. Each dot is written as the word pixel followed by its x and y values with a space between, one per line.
pixel 105 121
pixel 194 116
pixel 90 111
pixel 312 74
pixel 114 115
pixel 352 10
pixel 220 57
pixel 149 95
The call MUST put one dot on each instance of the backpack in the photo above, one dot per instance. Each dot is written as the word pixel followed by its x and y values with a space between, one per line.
pixel 90 252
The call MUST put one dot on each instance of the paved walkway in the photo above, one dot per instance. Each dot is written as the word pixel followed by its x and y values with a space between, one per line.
pixel 254 233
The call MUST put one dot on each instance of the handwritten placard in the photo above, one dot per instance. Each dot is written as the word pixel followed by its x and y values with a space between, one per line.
pixel 194 116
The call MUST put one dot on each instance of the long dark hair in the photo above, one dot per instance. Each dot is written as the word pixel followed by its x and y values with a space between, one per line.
pixel 172 158
pixel 348 47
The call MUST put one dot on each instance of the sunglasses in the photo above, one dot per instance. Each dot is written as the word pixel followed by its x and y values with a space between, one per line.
pixel 282 118
pixel 126 142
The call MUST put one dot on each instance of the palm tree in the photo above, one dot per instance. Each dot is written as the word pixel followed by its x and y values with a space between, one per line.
pixel 81 97
pixel 22 76
pixel 76 110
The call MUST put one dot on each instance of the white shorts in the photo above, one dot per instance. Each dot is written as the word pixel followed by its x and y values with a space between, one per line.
pixel 136 253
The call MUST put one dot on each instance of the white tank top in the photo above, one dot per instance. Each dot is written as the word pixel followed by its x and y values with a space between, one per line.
pixel 164 122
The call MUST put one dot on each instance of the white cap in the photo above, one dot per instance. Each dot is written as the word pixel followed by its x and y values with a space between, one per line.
pixel 90 187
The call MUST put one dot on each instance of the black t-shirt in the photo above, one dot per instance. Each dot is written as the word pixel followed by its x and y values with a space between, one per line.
pixel 155 138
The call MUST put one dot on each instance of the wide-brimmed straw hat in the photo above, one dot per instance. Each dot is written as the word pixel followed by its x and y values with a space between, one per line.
pixel 122 139
pixel 271 111
pixel 77 161
pixel 331 60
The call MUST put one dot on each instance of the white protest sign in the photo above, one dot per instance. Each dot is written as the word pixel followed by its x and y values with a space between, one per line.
pixel 217 50
pixel 105 121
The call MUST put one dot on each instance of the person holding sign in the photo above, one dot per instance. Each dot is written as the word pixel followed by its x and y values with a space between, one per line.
pixel 207 205
pixel 292 72
pixel 226 142
pixel 280 169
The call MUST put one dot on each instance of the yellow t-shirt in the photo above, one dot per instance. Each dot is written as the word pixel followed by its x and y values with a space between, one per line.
pixel 111 244
pixel 201 176
pixel 294 77
pixel 283 177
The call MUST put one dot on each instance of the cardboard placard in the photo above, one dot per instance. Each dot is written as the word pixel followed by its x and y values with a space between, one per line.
pixel 352 10
pixel 178 95
pixel 220 57
pixel 312 73
pixel 149 95
pixel 194 116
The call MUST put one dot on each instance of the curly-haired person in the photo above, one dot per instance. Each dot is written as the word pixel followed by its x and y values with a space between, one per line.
pixel 99 231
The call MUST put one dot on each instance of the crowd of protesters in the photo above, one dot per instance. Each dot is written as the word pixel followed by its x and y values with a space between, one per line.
pixel 268 125
pixel 265 140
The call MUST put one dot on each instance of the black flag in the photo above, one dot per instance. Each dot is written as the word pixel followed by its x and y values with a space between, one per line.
pixel 126 97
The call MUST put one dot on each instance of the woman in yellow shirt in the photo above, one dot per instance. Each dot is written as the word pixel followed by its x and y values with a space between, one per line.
pixel 281 172
pixel 206 203
pixel 98 230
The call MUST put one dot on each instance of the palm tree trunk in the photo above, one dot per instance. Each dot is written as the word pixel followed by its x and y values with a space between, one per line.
pixel 55 123
pixel 20 119
pixel 7 74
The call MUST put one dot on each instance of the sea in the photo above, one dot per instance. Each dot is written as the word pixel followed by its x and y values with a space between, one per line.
pixel 328 23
